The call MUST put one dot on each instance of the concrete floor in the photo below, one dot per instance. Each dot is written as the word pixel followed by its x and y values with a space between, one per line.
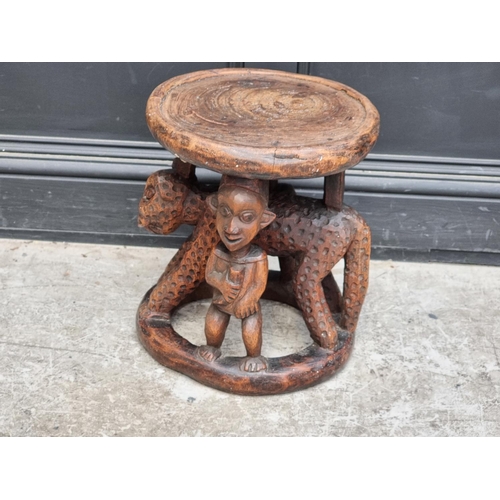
pixel 425 361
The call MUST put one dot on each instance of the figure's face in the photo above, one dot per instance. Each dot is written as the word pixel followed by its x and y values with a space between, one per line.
pixel 239 217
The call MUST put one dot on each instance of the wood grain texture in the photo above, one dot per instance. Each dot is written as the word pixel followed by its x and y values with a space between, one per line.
pixel 283 374
pixel 254 126
pixel 334 191
pixel 257 123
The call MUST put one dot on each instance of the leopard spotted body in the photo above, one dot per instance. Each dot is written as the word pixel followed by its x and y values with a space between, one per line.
pixel 308 237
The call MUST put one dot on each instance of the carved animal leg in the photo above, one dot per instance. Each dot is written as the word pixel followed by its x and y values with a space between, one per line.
pixel 175 261
pixel 315 309
pixel 357 264
pixel 288 266
pixel 280 288
pixel 332 293
pixel 176 282
pixel 187 271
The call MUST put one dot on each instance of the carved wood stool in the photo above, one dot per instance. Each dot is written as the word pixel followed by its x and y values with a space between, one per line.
pixel 256 127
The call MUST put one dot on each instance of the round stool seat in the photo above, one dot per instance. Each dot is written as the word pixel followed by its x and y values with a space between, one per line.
pixel 256 123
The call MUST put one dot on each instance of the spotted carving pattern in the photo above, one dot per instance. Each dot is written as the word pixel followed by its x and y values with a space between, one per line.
pixel 308 237
pixel 315 238
pixel 167 203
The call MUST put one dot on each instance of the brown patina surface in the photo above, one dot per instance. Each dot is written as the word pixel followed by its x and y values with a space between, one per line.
pixel 250 125
pixel 263 124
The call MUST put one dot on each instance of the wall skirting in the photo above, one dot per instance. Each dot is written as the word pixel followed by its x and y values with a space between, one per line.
pixel 419 208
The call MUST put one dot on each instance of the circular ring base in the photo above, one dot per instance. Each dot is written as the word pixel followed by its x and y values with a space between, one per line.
pixel 283 374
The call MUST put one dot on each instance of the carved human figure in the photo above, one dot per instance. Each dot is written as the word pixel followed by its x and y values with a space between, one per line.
pixel 236 269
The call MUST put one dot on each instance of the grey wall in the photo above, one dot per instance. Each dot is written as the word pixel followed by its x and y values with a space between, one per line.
pixel 429 109
pixel 75 151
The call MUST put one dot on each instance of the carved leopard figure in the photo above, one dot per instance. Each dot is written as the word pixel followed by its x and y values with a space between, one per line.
pixel 170 200
pixel 308 238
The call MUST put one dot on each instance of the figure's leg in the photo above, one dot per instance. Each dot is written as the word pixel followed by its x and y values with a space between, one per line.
pixel 252 333
pixel 216 323
pixel 252 338
pixel 357 264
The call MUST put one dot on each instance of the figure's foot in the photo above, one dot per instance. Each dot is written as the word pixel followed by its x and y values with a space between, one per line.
pixel 256 364
pixel 209 353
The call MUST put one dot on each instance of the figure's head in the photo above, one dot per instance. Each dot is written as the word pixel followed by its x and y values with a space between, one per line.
pixel 241 211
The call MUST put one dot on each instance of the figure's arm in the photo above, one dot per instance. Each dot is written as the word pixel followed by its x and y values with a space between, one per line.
pixel 260 279
pixel 252 289
pixel 218 279
pixel 212 276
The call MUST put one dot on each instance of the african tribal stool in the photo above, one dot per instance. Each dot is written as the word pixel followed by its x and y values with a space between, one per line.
pixel 257 127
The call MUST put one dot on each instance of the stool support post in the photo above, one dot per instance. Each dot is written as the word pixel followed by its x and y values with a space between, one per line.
pixel 334 191
pixel 184 169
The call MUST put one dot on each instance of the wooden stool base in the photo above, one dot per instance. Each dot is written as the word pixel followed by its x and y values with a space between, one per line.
pixel 283 374
pixel 256 127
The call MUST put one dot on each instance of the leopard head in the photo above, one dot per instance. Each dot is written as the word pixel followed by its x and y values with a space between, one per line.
pixel 168 201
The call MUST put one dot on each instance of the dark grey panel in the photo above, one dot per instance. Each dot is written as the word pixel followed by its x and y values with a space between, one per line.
pixel 75 205
pixel 90 100
pixel 291 67
pixel 95 210
pixel 424 223
pixel 170 241
pixel 376 174
pixel 175 241
pixel 430 189
pixel 437 109
pixel 448 256
pixel 427 109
